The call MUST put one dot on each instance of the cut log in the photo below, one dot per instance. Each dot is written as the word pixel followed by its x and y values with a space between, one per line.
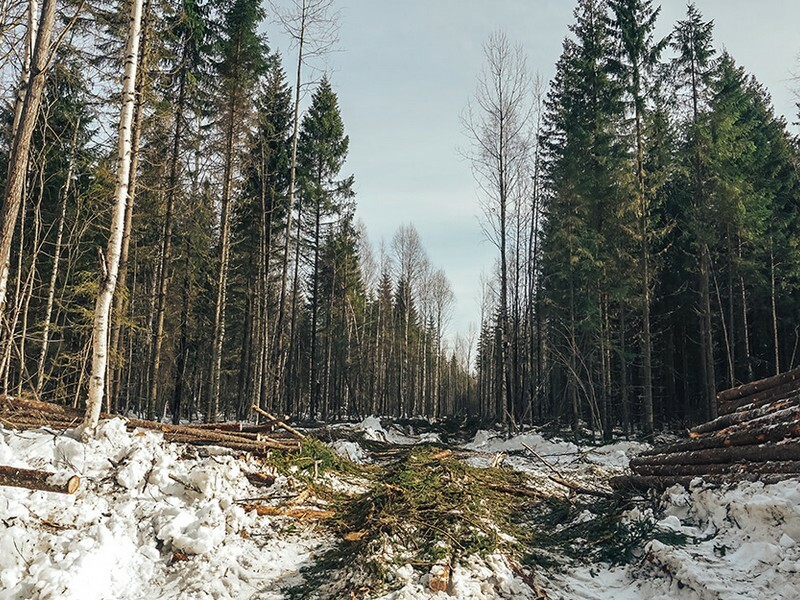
pixel 774 408
pixel 748 389
pixel 756 468
pixel 757 431
pixel 38 480
pixel 278 422
pixel 646 482
pixel 780 392
pixel 261 479
pixel 234 427
pixel 789 450
pixel 28 414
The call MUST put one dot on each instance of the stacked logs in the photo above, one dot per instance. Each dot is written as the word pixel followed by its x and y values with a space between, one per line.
pixel 755 438
pixel 19 413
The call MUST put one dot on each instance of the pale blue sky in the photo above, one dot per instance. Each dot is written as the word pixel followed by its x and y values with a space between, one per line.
pixel 406 68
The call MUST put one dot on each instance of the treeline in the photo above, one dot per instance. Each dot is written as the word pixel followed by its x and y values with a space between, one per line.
pixel 646 212
pixel 241 275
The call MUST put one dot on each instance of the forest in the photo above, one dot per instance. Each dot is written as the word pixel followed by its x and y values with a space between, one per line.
pixel 179 235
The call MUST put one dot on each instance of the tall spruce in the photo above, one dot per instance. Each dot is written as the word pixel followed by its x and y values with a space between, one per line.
pixel 692 40
pixel 638 56
pixel 243 53
pixel 322 150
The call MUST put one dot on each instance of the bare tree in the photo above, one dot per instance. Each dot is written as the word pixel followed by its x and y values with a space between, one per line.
pixel 410 263
pixel 496 122
pixel 443 298
pixel 110 263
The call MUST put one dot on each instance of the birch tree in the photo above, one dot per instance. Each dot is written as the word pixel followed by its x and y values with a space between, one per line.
pixel 110 262
pixel 497 125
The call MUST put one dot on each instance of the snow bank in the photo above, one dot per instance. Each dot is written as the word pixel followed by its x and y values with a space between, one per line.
pixel 610 458
pixel 352 451
pixel 742 544
pixel 488 441
pixel 373 430
pixel 147 522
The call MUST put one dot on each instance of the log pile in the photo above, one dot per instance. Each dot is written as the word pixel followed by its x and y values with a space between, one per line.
pixel 21 414
pixel 755 438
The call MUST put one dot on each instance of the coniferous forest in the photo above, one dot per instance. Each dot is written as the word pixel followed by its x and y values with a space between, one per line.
pixel 179 233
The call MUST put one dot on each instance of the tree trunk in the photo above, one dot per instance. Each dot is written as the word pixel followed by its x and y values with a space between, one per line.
pixel 112 258
pixel 166 242
pixel 279 341
pixel 183 348
pixel 224 256
pixel 773 306
pixel 51 289
pixel 20 148
pixel 120 298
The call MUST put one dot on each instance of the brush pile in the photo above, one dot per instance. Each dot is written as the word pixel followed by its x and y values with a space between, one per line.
pixel 755 438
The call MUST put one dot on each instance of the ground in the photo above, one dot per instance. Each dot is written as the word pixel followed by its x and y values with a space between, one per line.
pixel 381 512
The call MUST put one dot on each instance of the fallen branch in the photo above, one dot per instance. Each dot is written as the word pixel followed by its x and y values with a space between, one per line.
pixel 303 514
pixel 579 489
pixel 546 463
pixel 278 422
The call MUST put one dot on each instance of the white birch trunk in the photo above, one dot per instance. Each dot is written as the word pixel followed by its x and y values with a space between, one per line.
pixel 103 306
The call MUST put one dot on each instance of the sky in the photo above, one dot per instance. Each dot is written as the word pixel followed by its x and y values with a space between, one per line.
pixel 405 69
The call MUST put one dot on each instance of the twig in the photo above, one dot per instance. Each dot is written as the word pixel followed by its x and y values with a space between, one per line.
pixel 546 463
pixel 579 489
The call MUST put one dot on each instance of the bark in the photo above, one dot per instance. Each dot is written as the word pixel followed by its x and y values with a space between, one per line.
pixel 707 344
pixel 183 349
pixel 313 375
pixel 750 389
pixel 166 241
pixel 20 148
pixel 760 399
pixel 774 309
pixel 726 420
pixel 737 469
pixel 788 450
pixel 757 431
pixel 643 483
pixel 279 360
pixel 224 255
pixel 112 259
pixel 38 480
pixel 120 298
pixel 51 289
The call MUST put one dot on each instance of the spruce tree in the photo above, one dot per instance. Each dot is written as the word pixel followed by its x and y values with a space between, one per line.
pixel 693 67
pixel 322 150
pixel 634 23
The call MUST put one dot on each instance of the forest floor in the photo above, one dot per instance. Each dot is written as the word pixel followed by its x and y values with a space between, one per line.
pixel 381 513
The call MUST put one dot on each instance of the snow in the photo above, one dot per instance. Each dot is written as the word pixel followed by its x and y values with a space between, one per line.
pixel 141 502
pixel 352 451
pixel 158 520
pixel 477 579
pixel 373 430
pixel 741 545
